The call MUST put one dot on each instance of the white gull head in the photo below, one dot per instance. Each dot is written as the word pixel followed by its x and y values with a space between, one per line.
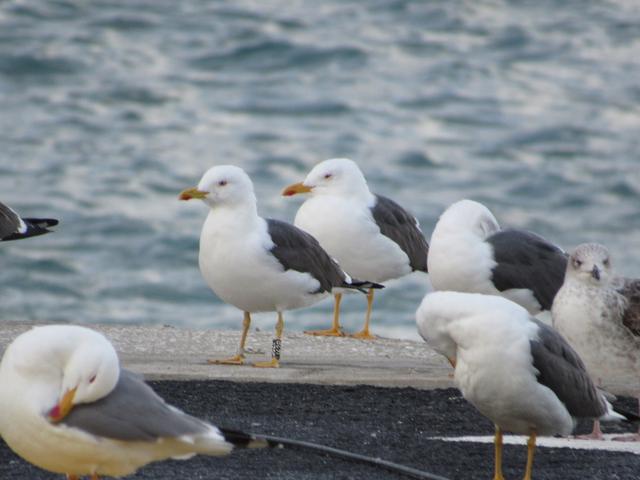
pixel 337 176
pixel 57 367
pixel 590 264
pixel 468 216
pixel 441 315
pixel 226 185
pixel 223 186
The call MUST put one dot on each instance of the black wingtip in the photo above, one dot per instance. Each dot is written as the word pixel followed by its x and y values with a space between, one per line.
pixel 42 222
pixel 35 227
pixel 245 440
pixel 363 285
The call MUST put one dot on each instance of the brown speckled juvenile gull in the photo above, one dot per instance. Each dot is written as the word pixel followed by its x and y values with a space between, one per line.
pixel 599 314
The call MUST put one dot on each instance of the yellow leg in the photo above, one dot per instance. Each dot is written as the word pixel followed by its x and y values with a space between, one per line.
pixel 94 476
pixel 277 344
pixel 531 448
pixel 497 475
pixel 72 477
pixel 364 334
pixel 237 359
pixel 335 330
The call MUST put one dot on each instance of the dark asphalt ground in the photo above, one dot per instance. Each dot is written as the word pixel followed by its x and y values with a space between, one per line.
pixel 391 423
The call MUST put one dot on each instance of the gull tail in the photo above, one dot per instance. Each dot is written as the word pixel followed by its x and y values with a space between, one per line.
pixel 33 227
pixel 627 416
pixel 245 440
pixel 616 414
pixel 216 441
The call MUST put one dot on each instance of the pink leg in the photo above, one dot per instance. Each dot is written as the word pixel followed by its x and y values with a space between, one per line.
pixel 596 433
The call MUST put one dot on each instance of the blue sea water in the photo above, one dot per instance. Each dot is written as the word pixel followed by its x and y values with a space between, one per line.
pixel 109 108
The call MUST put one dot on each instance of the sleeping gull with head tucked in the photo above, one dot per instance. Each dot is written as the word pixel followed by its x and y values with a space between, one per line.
pixel 66 406
pixel 469 252
pixel 599 314
pixel 371 236
pixel 257 264
pixel 515 370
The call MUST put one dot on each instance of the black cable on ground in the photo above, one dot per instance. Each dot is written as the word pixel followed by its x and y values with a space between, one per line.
pixel 336 452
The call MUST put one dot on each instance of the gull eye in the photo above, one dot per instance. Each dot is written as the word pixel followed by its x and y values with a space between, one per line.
pixel 577 263
pixel 327 176
pixel 92 379
pixel 222 183
pixel 606 262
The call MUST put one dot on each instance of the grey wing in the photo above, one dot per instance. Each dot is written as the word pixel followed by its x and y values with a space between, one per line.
pixel 561 370
pixel 133 412
pixel 526 260
pixel 9 221
pixel 630 290
pixel 401 227
pixel 297 250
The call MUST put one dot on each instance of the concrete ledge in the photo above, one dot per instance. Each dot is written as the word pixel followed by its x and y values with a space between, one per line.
pixel 164 352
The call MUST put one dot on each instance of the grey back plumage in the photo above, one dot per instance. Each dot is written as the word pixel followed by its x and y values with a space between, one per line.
pixel 561 370
pixel 526 260
pixel 630 290
pixel 297 250
pixel 401 227
pixel 133 412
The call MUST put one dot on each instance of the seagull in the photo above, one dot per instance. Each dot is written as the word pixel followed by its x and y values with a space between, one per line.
pixel 470 253
pixel 257 264
pixel 371 236
pixel 517 371
pixel 599 315
pixel 69 408
pixel 12 227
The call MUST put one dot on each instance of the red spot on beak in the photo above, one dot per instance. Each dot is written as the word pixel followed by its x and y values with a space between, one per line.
pixel 54 413
pixel 63 407
pixel 295 189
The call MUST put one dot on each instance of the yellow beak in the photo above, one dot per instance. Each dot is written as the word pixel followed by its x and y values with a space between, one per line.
pixel 62 409
pixel 295 188
pixel 193 192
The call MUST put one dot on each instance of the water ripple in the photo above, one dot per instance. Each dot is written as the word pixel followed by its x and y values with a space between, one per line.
pixel 35 65
pixel 109 109
pixel 268 55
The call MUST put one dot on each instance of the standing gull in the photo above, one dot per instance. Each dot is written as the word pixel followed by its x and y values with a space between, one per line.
pixel 67 407
pixel 371 236
pixel 13 227
pixel 470 253
pixel 599 315
pixel 515 370
pixel 255 264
